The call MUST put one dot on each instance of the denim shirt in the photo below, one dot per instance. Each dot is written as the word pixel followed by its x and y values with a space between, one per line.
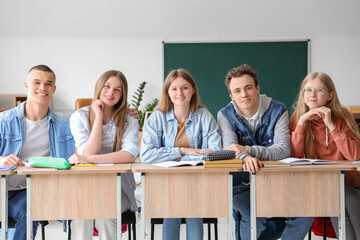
pixel 79 124
pixel 12 133
pixel 262 136
pixel 160 131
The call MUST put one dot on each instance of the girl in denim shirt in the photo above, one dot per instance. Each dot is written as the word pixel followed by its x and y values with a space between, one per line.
pixel 181 129
pixel 106 133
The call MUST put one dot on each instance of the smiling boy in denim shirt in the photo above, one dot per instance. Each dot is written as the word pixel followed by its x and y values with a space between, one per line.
pixel 32 129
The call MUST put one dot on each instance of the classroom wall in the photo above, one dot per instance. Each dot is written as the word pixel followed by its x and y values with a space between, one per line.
pixel 80 40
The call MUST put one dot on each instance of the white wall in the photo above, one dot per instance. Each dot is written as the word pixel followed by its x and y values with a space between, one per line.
pixel 80 40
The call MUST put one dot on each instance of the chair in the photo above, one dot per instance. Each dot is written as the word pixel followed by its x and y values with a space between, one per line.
pixel 11 224
pixel 322 227
pixel 127 217
pixel 82 102
pixel 207 221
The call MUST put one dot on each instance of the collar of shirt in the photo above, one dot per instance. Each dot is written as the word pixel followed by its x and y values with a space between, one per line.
pixel 252 121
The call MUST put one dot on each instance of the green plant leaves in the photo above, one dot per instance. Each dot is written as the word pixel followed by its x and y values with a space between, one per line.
pixel 136 101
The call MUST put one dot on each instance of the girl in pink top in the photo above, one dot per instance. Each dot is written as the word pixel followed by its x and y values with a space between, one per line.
pixel 322 129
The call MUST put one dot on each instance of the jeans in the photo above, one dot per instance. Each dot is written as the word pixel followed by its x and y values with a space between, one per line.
pixel 272 231
pixel 194 228
pixel 241 201
pixel 296 228
pixel 17 211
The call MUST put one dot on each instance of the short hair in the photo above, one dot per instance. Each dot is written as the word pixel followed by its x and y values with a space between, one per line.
pixel 42 68
pixel 240 71
pixel 166 104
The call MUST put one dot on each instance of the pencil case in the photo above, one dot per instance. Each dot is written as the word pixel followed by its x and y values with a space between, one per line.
pixel 49 162
pixel 218 155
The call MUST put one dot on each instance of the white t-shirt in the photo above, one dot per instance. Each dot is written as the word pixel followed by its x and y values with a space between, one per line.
pixel 106 146
pixel 36 143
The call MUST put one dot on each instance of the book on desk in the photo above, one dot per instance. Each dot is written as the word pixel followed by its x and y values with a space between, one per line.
pixel 169 164
pixel 306 161
pixel 227 163
pixel 275 164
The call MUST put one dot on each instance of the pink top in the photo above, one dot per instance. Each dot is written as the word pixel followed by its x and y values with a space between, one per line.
pixel 342 144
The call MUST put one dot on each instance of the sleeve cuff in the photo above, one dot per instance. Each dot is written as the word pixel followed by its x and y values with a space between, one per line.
pixel 243 155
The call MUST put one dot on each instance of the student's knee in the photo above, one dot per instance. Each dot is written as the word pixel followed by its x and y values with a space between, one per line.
pixel 241 202
pixel 352 195
pixel 17 210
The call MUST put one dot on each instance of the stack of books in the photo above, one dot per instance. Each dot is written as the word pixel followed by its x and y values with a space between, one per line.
pixel 7 168
pixel 221 159
pixel 228 163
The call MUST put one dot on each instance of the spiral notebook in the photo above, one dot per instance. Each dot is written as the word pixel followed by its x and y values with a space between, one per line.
pixel 218 155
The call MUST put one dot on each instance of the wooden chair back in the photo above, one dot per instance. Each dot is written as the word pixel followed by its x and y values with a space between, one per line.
pixel 82 102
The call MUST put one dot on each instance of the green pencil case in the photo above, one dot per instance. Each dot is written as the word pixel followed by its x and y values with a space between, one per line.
pixel 49 162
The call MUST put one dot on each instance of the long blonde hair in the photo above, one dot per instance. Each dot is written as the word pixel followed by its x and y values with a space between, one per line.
pixel 166 104
pixel 334 104
pixel 120 108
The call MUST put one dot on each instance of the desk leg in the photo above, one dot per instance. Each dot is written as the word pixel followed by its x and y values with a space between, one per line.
pixel 143 206
pixel 253 205
pixel 230 219
pixel 341 220
pixel 119 220
pixel 4 207
pixel 29 226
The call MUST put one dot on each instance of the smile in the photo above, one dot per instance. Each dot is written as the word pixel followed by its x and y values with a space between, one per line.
pixel 42 94
pixel 109 98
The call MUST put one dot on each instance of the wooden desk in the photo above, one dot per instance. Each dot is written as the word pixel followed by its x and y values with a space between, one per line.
pixel 299 191
pixel 77 193
pixel 4 203
pixel 180 192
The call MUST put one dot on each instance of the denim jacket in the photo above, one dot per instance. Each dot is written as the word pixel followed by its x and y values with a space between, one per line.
pixel 160 131
pixel 273 118
pixel 79 124
pixel 12 133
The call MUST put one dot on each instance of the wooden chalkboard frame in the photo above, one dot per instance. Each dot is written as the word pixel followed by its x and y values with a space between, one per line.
pixel 281 66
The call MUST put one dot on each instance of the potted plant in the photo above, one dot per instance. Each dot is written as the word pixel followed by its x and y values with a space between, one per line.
pixel 136 101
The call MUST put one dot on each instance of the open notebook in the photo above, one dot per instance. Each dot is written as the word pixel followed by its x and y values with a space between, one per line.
pixel 177 164
pixel 306 161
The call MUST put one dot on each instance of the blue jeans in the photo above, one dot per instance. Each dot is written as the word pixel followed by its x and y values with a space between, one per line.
pixel 241 201
pixel 273 229
pixel 194 228
pixel 17 211
pixel 295 228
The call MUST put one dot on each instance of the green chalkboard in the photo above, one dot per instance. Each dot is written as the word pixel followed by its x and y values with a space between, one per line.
pixel 281 67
